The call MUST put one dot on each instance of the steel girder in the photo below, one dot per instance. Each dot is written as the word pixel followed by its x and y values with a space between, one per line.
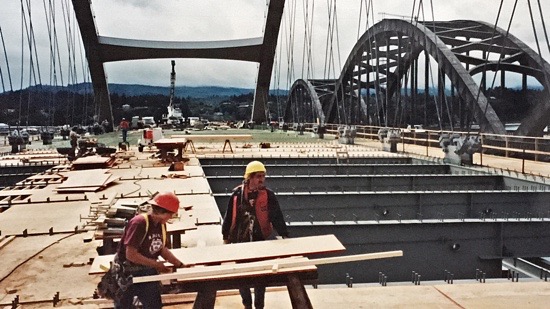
pixel 106 49
pixel 333 169
pixel 387 50
pixel 332 183
pixel 399 205
pixel 432 249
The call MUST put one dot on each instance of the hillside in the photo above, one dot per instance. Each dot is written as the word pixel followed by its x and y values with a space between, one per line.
pixel 181 91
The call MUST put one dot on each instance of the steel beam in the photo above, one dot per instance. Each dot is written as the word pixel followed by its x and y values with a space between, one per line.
pixel 430 249
pixel 408 205
pixel 324 183
pixel 331 169
pixel 306 161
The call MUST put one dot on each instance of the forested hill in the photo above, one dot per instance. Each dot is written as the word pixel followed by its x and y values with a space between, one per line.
pixel 181 91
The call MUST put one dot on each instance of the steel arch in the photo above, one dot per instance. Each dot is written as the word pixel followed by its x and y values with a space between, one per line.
pixel 376 47
pixel 303 104
pixel 539 114
pixel 389 47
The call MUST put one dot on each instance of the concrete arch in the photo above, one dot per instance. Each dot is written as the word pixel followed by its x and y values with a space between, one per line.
pixel 106 49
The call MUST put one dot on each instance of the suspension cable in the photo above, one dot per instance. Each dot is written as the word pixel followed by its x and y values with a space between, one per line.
pixel 543 25
pixel 537 41
pixel 430 73
pixel 483 79
pixel 7 62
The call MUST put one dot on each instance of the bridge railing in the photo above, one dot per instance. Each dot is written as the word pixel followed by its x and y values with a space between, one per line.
pixel 509 146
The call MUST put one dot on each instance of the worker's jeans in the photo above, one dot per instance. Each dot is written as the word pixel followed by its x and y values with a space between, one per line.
pixel 124 135
pixel 148 293
pixel 259 296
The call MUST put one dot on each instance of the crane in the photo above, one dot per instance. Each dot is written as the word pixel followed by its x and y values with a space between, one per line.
pixel 174 116
pixel 172 85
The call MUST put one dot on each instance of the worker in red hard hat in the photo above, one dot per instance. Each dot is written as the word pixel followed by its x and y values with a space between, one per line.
pixel 253 214
pixel 143 241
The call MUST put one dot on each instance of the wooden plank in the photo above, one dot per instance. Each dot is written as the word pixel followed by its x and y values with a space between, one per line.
pixel 273 265
pixel 6 193
pixel 212 138
pixel 50 177
pixel 6 241
pixel 258 250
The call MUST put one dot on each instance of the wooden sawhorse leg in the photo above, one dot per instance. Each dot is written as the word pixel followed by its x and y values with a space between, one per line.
pixel 190 144
pixel 176 241
pixel 297 293
pixel 206 299
pixel 227 142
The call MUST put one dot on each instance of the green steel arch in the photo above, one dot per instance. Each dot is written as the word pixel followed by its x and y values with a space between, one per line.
pixel 385 53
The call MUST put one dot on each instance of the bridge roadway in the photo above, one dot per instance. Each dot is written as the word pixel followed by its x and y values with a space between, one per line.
pixel 33 279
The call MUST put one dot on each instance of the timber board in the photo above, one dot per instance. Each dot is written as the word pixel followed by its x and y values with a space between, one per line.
pixel 259 250
pixel 212 137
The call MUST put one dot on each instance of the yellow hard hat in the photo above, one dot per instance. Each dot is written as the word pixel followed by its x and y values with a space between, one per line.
pixel 254 167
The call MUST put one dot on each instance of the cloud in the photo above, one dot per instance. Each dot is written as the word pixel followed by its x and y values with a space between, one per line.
pixel 204 20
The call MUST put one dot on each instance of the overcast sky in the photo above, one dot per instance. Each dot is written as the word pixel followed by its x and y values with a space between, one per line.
pixel 204 20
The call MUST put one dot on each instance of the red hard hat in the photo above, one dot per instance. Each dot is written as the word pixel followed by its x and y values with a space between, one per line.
pixel 166 200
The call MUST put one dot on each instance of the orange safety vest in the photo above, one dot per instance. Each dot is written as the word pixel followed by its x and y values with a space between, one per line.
pixel 261 210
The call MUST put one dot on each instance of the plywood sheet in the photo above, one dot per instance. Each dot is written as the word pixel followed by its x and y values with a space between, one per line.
pixel 180 226
pixel 205 216
pixel 247 251
pixel 87 178
pixel 146 172
pixel 193 185
pixel 20 249
pixel 194 171
pixel 199 201
pixel 40 217
pixel 92 160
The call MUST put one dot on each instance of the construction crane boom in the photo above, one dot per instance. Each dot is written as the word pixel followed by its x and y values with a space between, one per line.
pixel 172 83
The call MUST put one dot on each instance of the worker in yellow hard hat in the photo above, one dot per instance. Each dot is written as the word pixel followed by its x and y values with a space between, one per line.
pixel 143 241
pixel 253 214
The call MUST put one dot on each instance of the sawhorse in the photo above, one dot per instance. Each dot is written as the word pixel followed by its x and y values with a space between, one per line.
pixel 206 295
